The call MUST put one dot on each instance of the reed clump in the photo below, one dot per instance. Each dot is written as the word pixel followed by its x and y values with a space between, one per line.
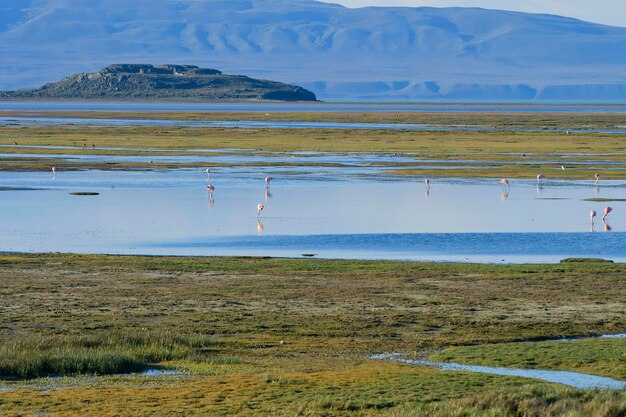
pixel 101 353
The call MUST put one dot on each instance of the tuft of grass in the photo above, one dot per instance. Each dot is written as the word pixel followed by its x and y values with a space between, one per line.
pixel 100 353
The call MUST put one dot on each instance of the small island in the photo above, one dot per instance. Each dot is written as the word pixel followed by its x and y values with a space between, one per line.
pixel 163 82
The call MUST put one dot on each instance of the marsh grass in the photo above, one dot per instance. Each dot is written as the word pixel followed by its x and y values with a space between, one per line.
pixel 596 356
pixel 221 321
pixel 490 153
pixel 100 353
pixel 527 401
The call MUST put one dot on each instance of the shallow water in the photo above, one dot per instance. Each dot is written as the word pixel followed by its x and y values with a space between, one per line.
pixel 282 125
pixel 572 379
pixel 333 213
pixel 313 107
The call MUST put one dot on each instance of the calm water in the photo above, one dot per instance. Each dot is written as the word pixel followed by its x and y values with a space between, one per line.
pixel 308 210
pixel 572 379
pixel 310 107
pixel 280 125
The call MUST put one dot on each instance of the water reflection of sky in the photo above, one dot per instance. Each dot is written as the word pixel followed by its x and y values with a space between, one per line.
pixel 169 212
pixel 464 106
pixel 269 124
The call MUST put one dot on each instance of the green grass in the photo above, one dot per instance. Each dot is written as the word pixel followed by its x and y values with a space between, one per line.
pixel 599 356
pixel 491 154
pixel 101 353
pixel 266 336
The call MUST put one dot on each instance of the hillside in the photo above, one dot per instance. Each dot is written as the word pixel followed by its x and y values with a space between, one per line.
pixel 372 53
pixel 179 82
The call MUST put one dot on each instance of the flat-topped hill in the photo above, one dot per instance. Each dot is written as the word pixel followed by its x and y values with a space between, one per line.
pixel 179 82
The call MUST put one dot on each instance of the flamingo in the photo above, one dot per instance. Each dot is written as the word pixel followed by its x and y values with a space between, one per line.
pixel 504 182
pixel 597 177
pixel 427 182
pixel 563 167
pixel 208 173
pixel 592 214
pixel 259 208
pixel 54 172
pixel 607 210
pixel 211 190
pixel 267 182
pixel 539 178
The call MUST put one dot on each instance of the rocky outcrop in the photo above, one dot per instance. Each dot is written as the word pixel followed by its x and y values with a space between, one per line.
pixel 178 82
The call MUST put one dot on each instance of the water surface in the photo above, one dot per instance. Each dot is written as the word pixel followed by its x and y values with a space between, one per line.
pixel 310 107
pixel 340 213
pixel 20 121
pixel 572 379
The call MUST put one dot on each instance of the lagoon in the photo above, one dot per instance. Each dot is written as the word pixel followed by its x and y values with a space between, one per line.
pixel 353 212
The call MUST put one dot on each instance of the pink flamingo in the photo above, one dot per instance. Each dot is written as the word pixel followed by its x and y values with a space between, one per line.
pixel 259 208
pixel 54 172
pixel 208 173
pixel 504 182
pixel 539 178
pixel 267 182
pixel 427 182
pixel 597 176
pixel 607 210
pixel 592 214
pixel 259 226
pixel 211 190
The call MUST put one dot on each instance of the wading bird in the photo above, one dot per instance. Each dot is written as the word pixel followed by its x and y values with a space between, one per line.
pixel 208 173
pixel 259 208
pixel 597 177
pixel 504 182
pixel 267 182
pixel 211 190
pixel 607 210
pixel 539 178
pixel 592 214
pixel 427 182
pixel 54 172
pixel 563 167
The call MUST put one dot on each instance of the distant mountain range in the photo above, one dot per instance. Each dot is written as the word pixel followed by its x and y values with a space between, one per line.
pixel 374 53
pixel 163 82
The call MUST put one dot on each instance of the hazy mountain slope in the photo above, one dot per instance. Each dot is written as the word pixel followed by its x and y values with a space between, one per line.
pixel 375 53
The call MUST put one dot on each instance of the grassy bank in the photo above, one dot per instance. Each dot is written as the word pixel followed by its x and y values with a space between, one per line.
pixel 261 336
pixel 591 356
pixel 450 154
pixel 500 120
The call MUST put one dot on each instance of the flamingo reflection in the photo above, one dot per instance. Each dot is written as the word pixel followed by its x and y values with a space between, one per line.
pixel 268 195
pixel 259 226
pixel 539 178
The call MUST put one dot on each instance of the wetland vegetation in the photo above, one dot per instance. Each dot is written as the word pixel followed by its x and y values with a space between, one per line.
pixel 267 336
pixel 464 153
pixel 284 337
